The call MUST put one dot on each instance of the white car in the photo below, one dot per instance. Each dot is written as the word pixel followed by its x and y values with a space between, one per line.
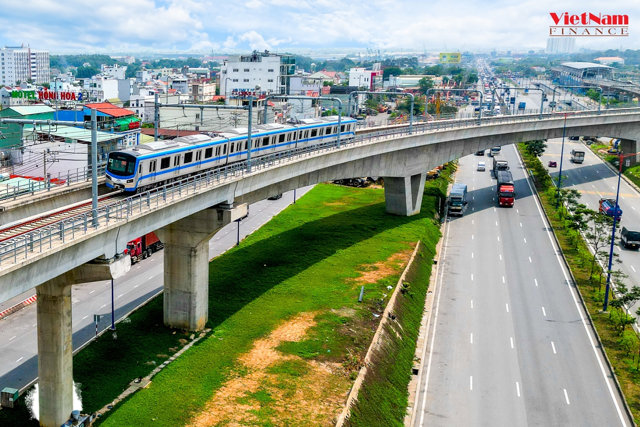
pixel 481 166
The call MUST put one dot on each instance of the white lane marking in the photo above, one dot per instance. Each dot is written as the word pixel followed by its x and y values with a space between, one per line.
pixel 472 222
pixel 536 282
pixel 473 197
pixel 135 286
pixel 34 325
pixel 511 341
pixel 517 211
pixel 530 260
pixel 525 239
pixel 150 277
pixel 575 302
pixel 103 305
pixel 471 303
pixel 633 268
pixel 120 296
pixel 12 338
pixel 85 317
pixel 566 396
pixel 553 347
pixel 92 292
pixel 503 280
pixel 592 184
pixel 472 276
pixel 435 325
pixel 496 223
pixel 518 388
pixel 507 306
pixel 520 225
pixel 471 338
pixel 471 255
pixel 500 256
pixel 19 359
pixel 494 209
pixel 472 237
pixel 470 387
pixel 544 313
pixel 498 238
pixel 633 207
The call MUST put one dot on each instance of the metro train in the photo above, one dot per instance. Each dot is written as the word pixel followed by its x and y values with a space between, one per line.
pixel 149 165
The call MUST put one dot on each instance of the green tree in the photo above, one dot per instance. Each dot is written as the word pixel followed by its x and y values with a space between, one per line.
pixel 598 235
pixel 425 84
pixel 536 147
pixel 391 71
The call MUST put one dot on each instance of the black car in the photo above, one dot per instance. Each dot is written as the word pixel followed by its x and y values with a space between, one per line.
pixel 630 239
pixel 276 197
pixel 480 153
pixel 574 138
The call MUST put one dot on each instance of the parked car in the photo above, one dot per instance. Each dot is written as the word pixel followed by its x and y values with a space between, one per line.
pixel 276 197
pixel 630 239
pixel 553 164
pixel 433 173
pixel 574 138
pixel 480 153
pixel 481 166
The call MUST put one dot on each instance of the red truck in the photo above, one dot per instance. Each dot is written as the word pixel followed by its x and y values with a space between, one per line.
pixel 143 247
pixel 609 208
pixel 506 191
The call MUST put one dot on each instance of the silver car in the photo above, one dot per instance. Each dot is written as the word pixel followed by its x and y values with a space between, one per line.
pixel 481 166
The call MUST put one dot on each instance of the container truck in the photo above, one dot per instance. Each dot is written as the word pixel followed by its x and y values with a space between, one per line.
pixel 458 199
pixel 577 156
pixel 505 189
pixel 143 247
pixel 499 164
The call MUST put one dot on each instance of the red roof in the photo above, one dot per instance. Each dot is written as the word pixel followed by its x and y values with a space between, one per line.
pixel 110 109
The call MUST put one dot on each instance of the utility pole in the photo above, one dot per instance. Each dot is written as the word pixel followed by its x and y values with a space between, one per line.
pixel 94 167
pixel 156 116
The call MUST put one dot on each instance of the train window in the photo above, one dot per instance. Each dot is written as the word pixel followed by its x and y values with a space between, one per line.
pixel 188 157
pixel 314 132
pixel 306 134
pixel 152 166
pixel 320 131
pixel 245 145
pixel 209 152
pixel 176 160
pixel 265 141
pixel 231 147
pixel 342 128
pixel 165 162
pixel 289 135
pixel 140 168
pixel 224 149
pixel 335 129
pixel 281 137
pixel 198 155
pixel 217 151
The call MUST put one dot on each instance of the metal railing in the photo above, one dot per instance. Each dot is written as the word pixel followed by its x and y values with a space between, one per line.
pixel 33 186
pixel 21 247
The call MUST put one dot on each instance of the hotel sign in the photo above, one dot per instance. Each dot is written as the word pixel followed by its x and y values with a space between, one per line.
pixel 47 95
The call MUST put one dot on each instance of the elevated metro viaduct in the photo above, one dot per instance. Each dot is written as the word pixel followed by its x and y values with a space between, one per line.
pixel 187 223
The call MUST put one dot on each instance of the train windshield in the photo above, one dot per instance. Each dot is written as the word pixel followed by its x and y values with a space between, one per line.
pixel 121 164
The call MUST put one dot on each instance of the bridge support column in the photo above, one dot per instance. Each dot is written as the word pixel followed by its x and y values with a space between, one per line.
pixel 55 348
pixel 403 195
pixel 186 265
pixel 629 146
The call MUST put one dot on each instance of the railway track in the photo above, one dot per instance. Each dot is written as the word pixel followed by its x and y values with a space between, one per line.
pixel 48 218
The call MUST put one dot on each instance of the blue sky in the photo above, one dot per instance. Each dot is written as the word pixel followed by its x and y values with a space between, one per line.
pixel 73 26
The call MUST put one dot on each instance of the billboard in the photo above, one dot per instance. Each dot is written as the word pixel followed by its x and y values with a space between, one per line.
pixel 450 58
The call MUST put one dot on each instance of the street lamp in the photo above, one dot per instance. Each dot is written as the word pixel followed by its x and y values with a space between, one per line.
pixel 564 130
pixel 613 231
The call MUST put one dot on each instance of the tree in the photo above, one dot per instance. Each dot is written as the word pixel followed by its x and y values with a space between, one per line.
pixel 391 71
pixel 536 147
pixel 425 84
pixel 47 85
pixel 598 235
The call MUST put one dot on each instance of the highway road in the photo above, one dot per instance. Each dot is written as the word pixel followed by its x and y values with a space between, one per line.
pixel 18 341
pixel 594 180
pixel 508 342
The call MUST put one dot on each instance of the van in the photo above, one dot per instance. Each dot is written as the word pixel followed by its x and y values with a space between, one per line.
pixel 494 151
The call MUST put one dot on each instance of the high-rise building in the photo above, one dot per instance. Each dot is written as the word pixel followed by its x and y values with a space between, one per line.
pixel 268 70
pixel 561 45
pixel 23 64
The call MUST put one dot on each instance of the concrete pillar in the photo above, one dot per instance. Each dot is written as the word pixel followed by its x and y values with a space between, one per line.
pixel 403 195
pixel 55 347
pixel 186 265
pixel 55 351
pixel 629 146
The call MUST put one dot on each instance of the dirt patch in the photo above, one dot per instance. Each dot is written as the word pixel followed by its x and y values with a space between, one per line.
pixel 261 395
pixel 337 203
pixel 344 311
pixel 371 273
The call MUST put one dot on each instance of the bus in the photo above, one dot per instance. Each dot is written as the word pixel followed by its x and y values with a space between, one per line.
pixel 577 156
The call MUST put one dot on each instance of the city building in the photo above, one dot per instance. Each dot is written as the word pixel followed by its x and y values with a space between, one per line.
pixel 101 88
pixel 269 71
pixel 575 73
pixel 366 79
pixel 202 91
pixel 113 71
pixel 23 64
pixel 111 118
pixel 307 85
pixel 556 45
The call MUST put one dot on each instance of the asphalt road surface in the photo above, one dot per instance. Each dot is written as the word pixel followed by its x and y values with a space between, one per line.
pixel 594 180
pixel 18 340
pixel 508 343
